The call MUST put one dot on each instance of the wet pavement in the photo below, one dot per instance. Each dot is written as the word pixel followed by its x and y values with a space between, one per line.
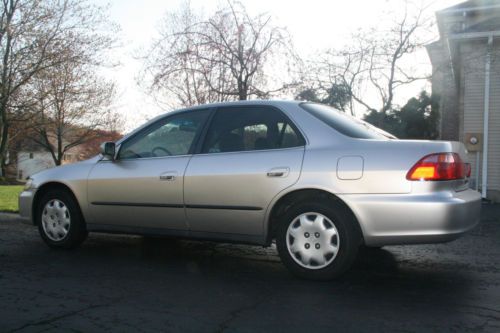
pixel 136 284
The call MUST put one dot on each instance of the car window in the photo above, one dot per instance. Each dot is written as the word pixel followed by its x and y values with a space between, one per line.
pixel 288 135
pixel 250 128
pixel 344 123
pixel 168 137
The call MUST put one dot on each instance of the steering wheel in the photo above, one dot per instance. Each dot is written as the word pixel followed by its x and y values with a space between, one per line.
pixel 167 152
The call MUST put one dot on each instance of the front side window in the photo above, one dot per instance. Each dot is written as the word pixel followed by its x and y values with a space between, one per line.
pixel 250 128
pixel 168 137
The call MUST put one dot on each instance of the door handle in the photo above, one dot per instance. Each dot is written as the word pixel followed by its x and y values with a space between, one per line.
pixel 168 176
pixel 278 172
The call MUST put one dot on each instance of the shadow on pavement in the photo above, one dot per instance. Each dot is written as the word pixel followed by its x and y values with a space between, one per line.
pixel 131 283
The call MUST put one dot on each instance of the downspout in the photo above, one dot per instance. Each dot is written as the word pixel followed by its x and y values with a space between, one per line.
pixel 484 187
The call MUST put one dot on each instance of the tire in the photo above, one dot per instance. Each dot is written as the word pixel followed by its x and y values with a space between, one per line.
pixel 59 219
pixel 312 232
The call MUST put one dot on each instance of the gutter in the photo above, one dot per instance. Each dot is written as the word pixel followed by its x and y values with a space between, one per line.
pixel 465 10
pixel 486 116
pixel 472 35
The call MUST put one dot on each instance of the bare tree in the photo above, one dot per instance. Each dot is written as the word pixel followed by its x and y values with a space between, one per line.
pixel 375 60
pixel 92 147
pixel 228 56
pixel 73 103
pixel 33 34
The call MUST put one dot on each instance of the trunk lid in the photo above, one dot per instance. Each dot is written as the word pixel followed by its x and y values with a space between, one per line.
pixel 386 164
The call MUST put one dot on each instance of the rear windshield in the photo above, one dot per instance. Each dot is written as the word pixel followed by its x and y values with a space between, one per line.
pixel 344 123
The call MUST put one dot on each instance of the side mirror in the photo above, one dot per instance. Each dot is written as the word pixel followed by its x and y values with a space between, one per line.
pixel 108 149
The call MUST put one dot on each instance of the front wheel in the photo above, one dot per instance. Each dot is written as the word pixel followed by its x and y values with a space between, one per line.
pixel 59 220
pixel 318 241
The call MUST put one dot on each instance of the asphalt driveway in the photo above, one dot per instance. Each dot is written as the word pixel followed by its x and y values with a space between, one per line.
pixel 135 284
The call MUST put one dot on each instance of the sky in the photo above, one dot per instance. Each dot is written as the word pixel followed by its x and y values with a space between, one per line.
pixel 315 25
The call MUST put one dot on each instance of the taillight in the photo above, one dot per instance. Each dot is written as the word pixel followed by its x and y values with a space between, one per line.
pixel 441 166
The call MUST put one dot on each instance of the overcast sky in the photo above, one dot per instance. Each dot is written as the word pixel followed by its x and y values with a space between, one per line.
pixel 313 24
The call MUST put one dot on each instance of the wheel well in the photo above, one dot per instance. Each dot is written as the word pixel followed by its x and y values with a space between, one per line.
pixel 44 189
pixel 287 201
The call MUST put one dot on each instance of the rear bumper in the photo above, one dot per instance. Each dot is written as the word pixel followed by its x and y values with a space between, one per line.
pixel 389 219
pixel 25 205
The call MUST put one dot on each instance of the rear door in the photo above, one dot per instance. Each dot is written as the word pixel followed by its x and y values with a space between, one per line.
pixel 248 156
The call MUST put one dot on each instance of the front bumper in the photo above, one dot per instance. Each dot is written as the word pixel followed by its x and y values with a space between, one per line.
pixel 25 205
pixel 390 219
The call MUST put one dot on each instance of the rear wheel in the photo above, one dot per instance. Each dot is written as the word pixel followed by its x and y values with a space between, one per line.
pixel 59 220
pixel 318 240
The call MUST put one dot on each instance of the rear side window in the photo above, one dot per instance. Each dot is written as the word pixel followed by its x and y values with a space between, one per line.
pixel 344 123
pixel 250 128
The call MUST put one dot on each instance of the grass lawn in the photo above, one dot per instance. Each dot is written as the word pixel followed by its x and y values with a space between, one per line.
pixel 8 197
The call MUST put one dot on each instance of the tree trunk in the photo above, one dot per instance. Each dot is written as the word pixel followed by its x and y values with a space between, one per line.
pixel 243 96
pixel 60 152
pixel 4 128
pixel 2 166
pixel 242 91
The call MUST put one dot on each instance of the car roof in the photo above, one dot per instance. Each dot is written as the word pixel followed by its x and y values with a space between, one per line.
pixel 274 102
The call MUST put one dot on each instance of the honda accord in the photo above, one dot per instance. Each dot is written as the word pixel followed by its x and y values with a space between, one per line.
pixel 314 180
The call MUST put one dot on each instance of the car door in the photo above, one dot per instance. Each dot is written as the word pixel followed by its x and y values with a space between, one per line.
pixel 143 186
pixel 248 156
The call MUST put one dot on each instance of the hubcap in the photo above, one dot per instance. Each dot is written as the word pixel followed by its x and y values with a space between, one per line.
pixel 312 240
pixel 56 220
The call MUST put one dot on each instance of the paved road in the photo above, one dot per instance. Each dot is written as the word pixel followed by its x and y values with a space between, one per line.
pixel 134 284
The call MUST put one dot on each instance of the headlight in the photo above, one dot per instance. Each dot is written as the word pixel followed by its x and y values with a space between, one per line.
pixel 28 184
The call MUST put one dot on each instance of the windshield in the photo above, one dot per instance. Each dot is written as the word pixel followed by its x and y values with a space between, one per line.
pixel 344 123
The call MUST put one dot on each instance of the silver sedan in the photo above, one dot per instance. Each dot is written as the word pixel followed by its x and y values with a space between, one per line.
pixel 317 181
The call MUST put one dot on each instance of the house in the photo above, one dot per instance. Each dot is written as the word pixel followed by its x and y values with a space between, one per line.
pixel 31 162
pixel 27 158
pixel 466 76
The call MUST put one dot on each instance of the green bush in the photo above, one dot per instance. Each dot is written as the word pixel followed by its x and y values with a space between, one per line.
pixel 9 198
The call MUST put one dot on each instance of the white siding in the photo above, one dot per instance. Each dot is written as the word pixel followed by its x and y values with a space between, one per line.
pixel 473 80
pixel 29 163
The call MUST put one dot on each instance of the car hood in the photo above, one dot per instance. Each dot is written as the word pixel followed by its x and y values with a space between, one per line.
pixel 64 173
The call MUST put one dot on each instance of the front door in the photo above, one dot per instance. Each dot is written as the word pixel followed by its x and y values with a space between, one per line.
pixel 249 155
pixel 143 186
